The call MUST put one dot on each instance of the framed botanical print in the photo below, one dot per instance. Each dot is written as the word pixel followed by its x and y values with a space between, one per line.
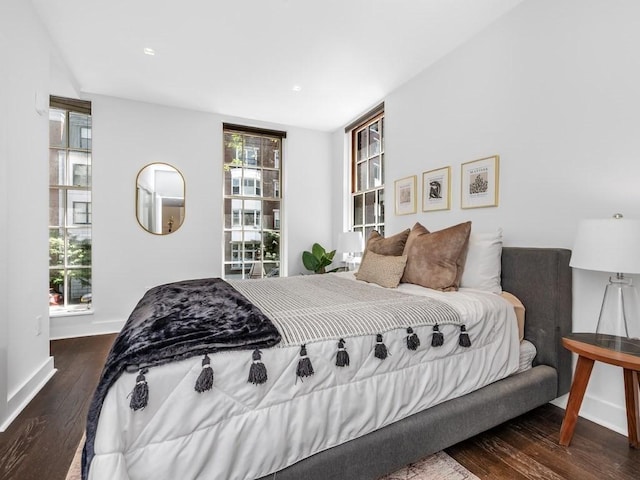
pixel 436 189
pixel 405 195
pixel 479 183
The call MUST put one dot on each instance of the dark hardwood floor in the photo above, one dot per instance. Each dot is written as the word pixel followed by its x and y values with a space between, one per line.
pixel 41 442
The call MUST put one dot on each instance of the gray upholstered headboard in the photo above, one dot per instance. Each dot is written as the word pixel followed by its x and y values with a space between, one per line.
pixel 541 279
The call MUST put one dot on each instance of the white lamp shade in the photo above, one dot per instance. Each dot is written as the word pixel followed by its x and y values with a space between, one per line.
pixel 350 242
pixel 607 245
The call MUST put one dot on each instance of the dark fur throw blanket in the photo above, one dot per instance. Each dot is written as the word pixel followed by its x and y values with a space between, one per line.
pixel 173 322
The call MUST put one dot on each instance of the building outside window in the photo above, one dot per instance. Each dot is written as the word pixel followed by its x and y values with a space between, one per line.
pixel 252 202
pixel 69 205
pixel 367 167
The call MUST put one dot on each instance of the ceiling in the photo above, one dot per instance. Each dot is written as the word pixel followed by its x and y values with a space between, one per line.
pixel 244 57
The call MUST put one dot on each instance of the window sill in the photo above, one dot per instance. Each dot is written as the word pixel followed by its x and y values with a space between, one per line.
pixel 71 313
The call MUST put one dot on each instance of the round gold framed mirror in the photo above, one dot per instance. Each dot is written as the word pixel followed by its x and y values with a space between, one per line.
pixel 160 198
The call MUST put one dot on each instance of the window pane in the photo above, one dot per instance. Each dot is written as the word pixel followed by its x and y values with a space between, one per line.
pixel 232 181
pixel 79 250
pixel 271 184
pixel 251 182
pixel 368 230
pixel 233 270
pixel 374 139
pixel 361 177
pixel 56 247
pixel 252 151
pixel 56 207
pixel 271 215
pixel 270 152
pixel 75 199
pixel 375 173
pixel 79 285
pixel 370 207
pixel 271 242
pixel 362 145
pixel 79 131
pixel 233 147
pixel 56 288
pixel 57 128
pixel 358 217
pixel 381 207
pixel 80 169
pixel 57 167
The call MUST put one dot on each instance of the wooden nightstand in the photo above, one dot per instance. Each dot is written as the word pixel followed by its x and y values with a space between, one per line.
pixel 618 351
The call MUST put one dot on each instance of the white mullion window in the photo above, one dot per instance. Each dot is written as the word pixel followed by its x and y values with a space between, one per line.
pixel 367 167
pixel 252 200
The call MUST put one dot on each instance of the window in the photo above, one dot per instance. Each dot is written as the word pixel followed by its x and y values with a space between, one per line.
pixel 367 166
pixel 252 201
pixel 69 205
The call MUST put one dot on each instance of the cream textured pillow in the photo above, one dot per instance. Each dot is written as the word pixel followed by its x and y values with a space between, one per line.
pixel 484 262
pixel 435 260
pixel 383 270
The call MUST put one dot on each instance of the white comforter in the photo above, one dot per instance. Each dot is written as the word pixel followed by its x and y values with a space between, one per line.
pixel 242 431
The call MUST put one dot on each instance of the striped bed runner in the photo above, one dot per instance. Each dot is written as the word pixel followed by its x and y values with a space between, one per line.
pixel 312 308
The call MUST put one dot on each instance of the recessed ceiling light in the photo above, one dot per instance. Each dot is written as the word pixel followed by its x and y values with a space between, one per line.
pixel 296 88
pixel 149 51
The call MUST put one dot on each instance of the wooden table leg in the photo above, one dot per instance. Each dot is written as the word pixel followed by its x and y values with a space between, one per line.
pixel 578 387
pixel 631 395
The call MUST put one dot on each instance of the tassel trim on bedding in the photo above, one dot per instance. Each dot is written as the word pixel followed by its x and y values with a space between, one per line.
pixel 305 369
pixel 437 340
pixel 342 357
pixel 140 393
pixel 257 372
pixel 413 342
pixel 205 379
pixel 464 340
pixel 381 351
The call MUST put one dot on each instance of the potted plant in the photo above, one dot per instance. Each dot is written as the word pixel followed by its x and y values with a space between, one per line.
pixel 318 259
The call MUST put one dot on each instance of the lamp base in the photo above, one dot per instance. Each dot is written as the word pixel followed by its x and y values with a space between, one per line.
pixel 619 314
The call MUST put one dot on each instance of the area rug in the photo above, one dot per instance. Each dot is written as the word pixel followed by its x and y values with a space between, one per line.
pixel 438 466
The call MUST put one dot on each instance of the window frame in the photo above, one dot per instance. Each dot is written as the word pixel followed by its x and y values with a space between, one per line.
pixel 247 181
pixel 367 201
pixel 70 232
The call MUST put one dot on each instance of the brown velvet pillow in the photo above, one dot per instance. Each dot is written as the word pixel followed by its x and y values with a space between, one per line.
pixel 393 245
pixel 435 260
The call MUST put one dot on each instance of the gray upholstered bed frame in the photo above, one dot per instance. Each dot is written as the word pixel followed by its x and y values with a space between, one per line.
pixel 541 278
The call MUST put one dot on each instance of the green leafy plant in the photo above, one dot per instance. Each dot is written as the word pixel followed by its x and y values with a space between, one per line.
pixel 318 259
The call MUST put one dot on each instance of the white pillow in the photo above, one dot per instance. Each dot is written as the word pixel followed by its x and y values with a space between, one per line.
pixel 483 265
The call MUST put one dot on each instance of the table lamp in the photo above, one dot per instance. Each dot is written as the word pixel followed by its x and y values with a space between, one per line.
pixel 351 244
pixel 612 245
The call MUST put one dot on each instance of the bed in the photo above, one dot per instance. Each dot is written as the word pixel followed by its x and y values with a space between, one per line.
pixel 170 436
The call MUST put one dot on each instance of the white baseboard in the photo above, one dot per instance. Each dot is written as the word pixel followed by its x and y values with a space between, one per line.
pixel 19 399
pixel 602 412
pixel 81 326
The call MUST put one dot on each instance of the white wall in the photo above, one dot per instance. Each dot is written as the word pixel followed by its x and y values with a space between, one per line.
pixel 553 89
pixel 25 363
pixel 127 260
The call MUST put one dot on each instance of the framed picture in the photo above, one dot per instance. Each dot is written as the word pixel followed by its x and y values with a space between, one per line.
pixel 436 189
pixel 479 183
pixel 405 195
